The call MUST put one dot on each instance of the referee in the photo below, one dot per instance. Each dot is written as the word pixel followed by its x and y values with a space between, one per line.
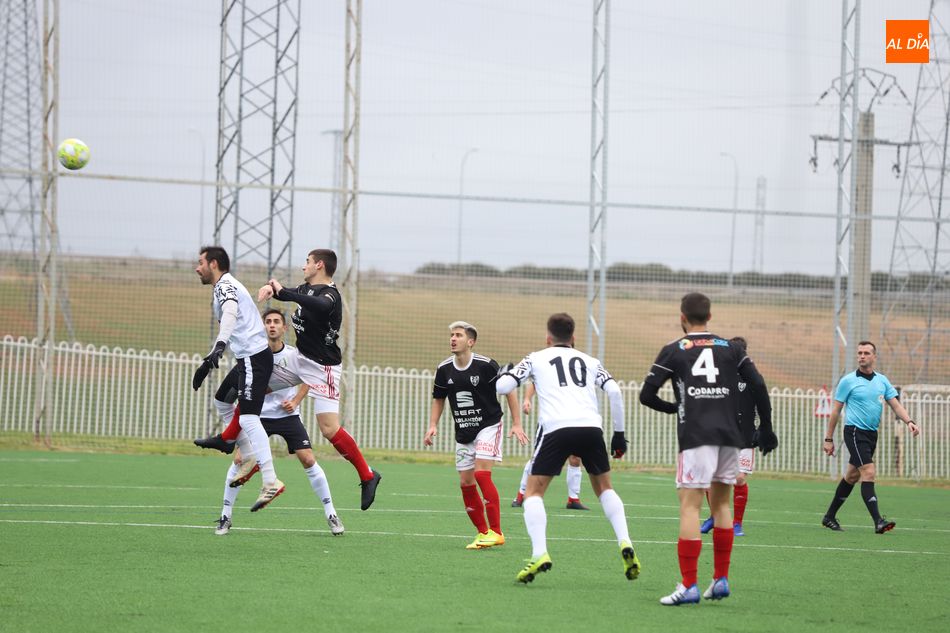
pixel 864 392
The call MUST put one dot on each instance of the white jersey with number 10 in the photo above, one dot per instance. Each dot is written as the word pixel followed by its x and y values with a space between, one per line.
pixel 566 381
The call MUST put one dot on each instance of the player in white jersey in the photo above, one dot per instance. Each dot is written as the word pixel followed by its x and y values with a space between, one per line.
pixel 241 327
pixel 574 476
pixel 280 416
pixel 566 381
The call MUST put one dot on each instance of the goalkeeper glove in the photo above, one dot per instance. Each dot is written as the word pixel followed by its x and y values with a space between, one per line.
pixel 618 445
pixel 207 363
pixel 505 369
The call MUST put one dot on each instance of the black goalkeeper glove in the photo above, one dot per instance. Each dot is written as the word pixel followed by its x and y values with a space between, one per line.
pixel 618 445
pixel 207 363
pixel 765 439
pixel 505 369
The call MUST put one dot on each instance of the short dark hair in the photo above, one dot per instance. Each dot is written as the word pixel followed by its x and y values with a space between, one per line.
pixel 695 307
pixel 739 342
pixel 873 346
pixel 327 256
pixel 216 254
pixel 271 311
pixel 561 327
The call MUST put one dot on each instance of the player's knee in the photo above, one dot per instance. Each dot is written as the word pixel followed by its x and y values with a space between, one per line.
pixel 740 479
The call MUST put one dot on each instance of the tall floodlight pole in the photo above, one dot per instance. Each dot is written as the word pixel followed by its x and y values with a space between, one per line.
pixel 735 212
pixel 597 226
pixel 917 307
pixel 48 273
pixel 348 269
pixel 758 236
pixel 257 122
pixel 336 202
pixel 21 69
pixel 458 251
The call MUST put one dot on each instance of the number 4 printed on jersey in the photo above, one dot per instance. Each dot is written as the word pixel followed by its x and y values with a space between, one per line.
pixel 706 366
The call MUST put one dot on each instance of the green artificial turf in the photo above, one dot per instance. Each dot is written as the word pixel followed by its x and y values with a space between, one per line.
pixel 106 542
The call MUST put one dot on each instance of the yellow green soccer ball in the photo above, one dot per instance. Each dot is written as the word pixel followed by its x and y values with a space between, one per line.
pixel 73 153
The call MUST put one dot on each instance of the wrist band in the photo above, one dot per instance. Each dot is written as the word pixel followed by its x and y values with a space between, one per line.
pixel 829 439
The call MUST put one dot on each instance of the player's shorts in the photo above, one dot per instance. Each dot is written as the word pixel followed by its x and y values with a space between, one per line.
pixel 323 380
pixel 861 444
pixel 700 466
pixel 587 442
pixel 747 460
pixel 487 445
pixel 291 429
pixel 252 375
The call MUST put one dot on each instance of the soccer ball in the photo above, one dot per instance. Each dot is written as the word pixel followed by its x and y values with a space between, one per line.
pixel 73 153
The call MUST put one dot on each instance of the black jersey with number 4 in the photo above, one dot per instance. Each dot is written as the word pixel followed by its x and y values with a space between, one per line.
pixel 316 320
pixel 705 370
pixel 471 395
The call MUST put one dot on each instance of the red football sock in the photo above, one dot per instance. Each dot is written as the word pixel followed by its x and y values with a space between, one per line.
pixel 346 446
pixel 689 559
pixel 722 551
pixel 740 496
pixel 490 492
pixel 231 433
pixel 474 507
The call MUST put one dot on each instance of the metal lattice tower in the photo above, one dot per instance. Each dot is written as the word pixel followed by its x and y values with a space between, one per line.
pixel 347 274
pixel 336 203
pixel 257 124
pixel 758 235
pixel 21 68
pixel 597 234
pixel 918 308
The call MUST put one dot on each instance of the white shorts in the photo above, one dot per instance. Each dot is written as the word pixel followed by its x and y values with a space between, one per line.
pixel 698 467
pixel 747 461
pixel 323 380
pixel 487 445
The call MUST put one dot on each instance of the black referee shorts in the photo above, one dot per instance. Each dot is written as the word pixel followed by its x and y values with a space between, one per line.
pixel 861 445
pixel 253 374
pixel 587 442
pixel 291 429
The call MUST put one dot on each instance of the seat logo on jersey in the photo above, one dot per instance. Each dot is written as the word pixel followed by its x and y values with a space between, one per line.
pixel 464 399
pixel 474 380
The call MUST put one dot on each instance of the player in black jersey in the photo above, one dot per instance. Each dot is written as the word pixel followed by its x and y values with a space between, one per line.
pixel 745 408
pixel 705 370
pixel 467 380
pixel 316 362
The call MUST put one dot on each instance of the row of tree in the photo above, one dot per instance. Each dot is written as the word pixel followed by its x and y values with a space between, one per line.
pixel 659 273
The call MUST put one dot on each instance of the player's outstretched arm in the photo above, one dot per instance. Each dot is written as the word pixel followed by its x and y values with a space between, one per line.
pixel 517 430
pixel 649 397
pixel 322 303
pixel 264 293
pixel 435 412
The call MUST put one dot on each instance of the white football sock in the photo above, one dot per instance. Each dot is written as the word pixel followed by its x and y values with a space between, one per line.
pixel 257 436
pixel 524 477
pixel 536 520
pixel 573 482
pixel 230 494
pixel 321 487
pixel 244 445
pixel 225 411
pixel 613 508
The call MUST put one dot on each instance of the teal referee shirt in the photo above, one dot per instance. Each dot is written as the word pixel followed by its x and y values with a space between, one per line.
pixel 863 396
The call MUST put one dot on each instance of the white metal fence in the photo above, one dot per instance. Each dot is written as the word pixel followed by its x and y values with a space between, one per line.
pixel 102 394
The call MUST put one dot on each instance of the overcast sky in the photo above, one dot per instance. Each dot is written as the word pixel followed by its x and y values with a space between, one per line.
pixel 689 80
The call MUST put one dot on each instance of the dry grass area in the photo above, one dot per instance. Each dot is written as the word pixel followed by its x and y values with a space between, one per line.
pixel 402 320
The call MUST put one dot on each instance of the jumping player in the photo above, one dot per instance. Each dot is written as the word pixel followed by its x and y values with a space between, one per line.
pixel 241 327
pixel 705 370
pixel 566 381
pixel 467 380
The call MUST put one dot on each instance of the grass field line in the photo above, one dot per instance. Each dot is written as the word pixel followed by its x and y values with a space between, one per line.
pixel 284 508
pixel 37 460
pixel 105 486
pixel 453 536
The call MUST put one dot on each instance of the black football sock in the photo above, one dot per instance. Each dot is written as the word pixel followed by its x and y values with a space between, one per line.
pixel 841 495
pixel 870 500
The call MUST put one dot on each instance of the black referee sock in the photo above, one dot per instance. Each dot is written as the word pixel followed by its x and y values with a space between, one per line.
pixel 870 500
pixel 841 495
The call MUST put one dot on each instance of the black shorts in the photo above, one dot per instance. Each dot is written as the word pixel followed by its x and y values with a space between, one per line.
pixel 861 445
pixel 291 429
pixel 587 442
pixel 253 374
